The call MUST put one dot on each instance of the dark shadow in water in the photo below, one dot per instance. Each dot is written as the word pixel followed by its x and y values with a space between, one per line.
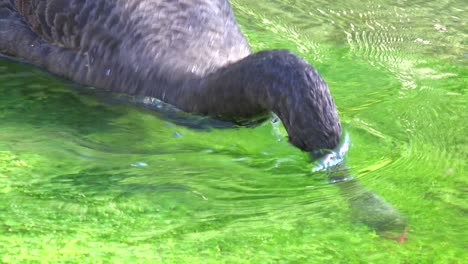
pixel 31 95
pixel 174 115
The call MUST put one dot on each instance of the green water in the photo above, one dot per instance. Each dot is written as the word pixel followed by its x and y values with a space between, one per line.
pixel 85 179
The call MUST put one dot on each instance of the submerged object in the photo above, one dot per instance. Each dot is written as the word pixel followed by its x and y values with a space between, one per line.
pixel 366 206
pixel 370 209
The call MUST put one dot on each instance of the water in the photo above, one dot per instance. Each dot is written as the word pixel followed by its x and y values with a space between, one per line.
pixel 88 178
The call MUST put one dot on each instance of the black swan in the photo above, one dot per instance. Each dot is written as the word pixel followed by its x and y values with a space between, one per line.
pixel 191 54
pixel 188 53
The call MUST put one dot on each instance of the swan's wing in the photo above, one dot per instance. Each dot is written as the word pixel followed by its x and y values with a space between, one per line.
pixel 68 23
pixel 203 31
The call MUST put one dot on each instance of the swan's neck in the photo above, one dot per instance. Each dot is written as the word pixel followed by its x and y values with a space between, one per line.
pixel 277 81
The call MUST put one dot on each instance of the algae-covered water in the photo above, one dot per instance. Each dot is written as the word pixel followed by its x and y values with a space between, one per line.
pixel 89 177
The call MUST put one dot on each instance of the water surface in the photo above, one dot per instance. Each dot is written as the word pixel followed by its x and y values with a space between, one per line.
pixel 86 177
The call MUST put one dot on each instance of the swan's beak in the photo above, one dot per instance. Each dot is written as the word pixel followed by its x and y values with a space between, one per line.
pixel 398 238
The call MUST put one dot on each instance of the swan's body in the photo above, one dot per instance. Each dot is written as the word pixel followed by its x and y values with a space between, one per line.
pixel 189 53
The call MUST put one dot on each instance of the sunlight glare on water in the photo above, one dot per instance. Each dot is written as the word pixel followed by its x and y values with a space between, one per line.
pixel 90 177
